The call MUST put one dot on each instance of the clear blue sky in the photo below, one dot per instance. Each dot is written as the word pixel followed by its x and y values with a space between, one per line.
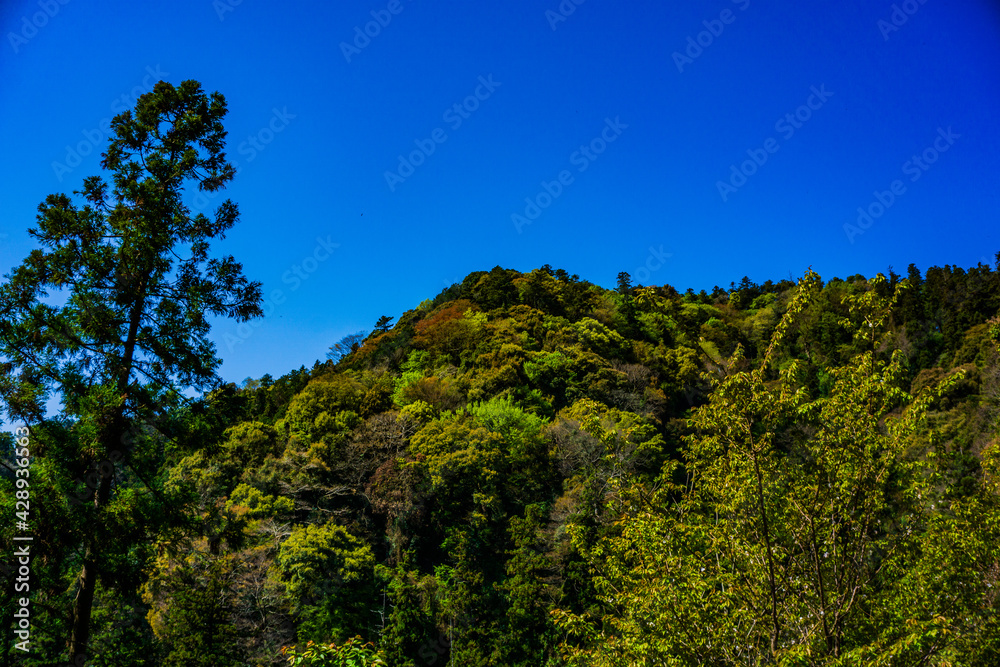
pixel 328 125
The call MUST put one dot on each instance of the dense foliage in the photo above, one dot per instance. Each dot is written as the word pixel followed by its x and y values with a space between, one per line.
pixel 527 470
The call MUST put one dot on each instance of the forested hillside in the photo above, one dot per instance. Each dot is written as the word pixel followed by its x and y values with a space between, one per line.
pixel 530 469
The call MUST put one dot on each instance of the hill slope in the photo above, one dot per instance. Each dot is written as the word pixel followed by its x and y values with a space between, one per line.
pixel 530 469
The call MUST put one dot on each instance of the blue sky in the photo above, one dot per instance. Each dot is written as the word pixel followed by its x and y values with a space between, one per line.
pixel 686 145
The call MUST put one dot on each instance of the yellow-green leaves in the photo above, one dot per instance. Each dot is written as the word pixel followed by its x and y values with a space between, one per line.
pixel 809 532
pixel 313 554
pixel 250 501
pixel 455 449
pixel 249 443
pixel 354 652
pixel 330 394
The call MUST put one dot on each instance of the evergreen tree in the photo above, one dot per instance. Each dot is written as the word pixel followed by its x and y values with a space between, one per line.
pixel 196 626
pixel 137 283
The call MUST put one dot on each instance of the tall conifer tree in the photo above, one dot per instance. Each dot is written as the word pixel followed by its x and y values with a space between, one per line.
pixel 131 271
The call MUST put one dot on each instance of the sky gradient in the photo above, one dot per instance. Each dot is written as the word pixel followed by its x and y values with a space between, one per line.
pixel 686 145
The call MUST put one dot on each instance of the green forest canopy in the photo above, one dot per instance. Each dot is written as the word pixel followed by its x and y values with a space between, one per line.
pixel 530 469
pixel 527 469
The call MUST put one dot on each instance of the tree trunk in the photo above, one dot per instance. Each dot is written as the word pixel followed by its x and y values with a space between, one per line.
pixel 84 602
pixel 82 606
